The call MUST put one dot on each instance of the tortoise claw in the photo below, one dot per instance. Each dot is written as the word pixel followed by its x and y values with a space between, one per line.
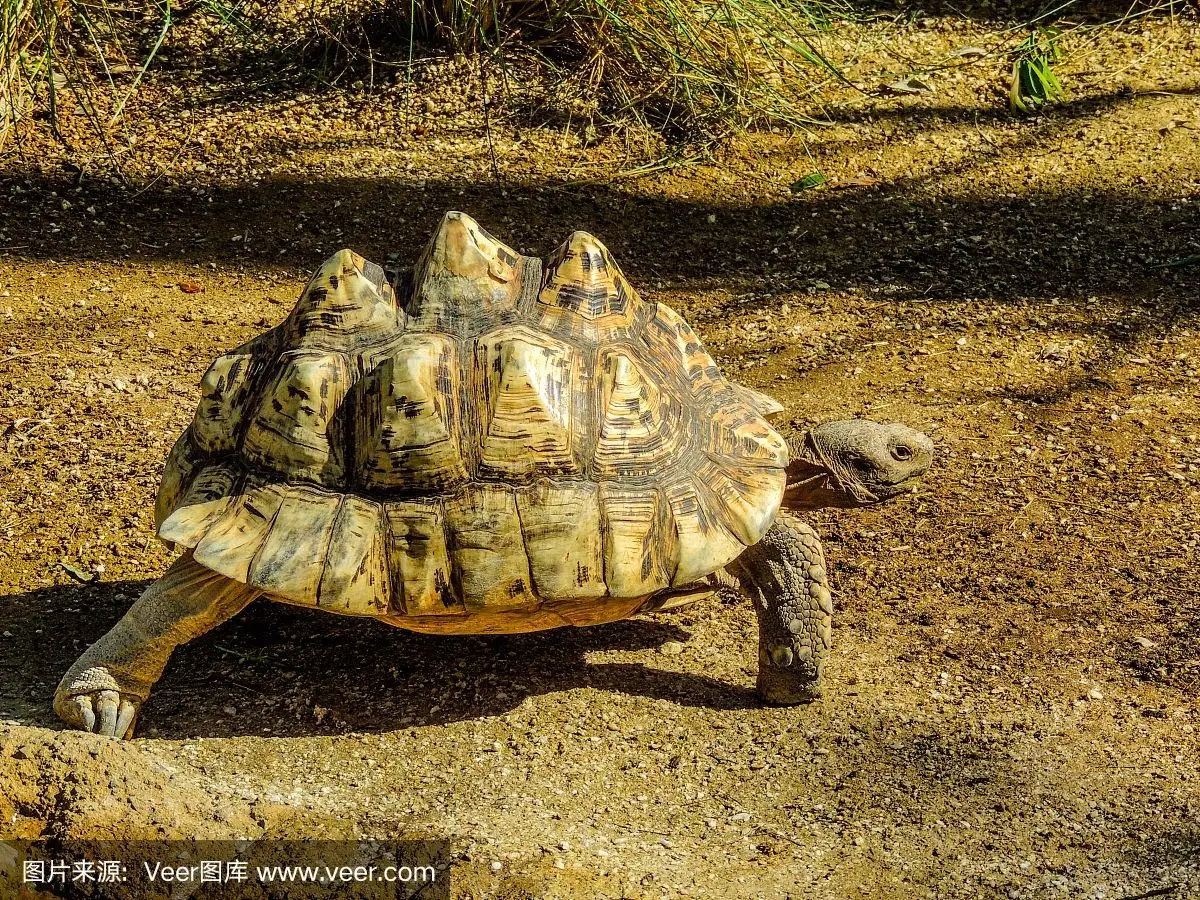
pixel 107 713
pixel 94 702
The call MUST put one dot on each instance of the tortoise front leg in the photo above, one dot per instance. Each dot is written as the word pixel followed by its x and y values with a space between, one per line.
pixel 109 682
pixel 784 574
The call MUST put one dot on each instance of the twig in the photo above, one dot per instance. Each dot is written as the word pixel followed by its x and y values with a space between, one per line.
pixel 1157 892
pixel 778 834
pixel 4 359
pixel 643 829
pixel 487 119
pixel 242 656
pixel 246 687
pixel 1058 502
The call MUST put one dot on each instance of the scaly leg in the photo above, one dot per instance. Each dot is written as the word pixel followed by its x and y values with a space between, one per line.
pixel 109 682
pixel 784 574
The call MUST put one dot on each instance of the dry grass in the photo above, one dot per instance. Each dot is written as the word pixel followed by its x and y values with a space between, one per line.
pixel 695 72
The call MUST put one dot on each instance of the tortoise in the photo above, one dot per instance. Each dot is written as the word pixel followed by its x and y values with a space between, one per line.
pixel 484 445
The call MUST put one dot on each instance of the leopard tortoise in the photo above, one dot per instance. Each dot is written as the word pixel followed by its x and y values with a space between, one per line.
pixel 488 446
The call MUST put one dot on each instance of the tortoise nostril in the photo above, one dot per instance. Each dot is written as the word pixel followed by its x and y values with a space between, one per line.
pixel 902 452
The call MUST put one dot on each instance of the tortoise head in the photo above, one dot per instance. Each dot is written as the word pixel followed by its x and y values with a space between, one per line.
pixel 855 463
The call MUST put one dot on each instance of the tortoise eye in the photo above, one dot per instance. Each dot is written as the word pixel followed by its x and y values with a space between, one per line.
pixel 902 452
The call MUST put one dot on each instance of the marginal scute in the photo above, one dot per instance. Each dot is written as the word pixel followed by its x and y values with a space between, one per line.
pixel 744 498
pixel 490 567
pixel 563 538
pixel 347 302
pixel 356 579
pixel 205 501
pixel 641 548
pixel 294 429
pixel 230 545
pixel 527 386
pixel 584 293
pixel 641 429
pixel 704 543
pixel 464 280
pixel 419 560
pixel 407 418
pixel 292 557
pixel 764 404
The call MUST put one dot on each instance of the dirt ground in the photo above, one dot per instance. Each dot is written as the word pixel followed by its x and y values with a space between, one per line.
pixel 1013 700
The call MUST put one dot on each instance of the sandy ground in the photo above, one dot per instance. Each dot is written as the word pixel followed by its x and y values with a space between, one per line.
pixel 1013 706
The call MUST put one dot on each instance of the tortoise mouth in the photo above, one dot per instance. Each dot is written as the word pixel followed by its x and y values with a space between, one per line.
pixel 887 490
pixel 905 485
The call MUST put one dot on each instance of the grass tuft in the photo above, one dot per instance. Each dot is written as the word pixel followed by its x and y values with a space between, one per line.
pixel 686 69
pixel 1034 83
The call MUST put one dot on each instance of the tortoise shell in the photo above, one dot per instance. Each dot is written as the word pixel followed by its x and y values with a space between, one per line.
pixel 486 446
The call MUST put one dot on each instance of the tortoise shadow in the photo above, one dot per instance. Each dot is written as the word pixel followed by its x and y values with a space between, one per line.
pixel 284 671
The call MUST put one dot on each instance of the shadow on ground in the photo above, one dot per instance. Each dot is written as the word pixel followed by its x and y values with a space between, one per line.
pixel 289 671
pixel 922 245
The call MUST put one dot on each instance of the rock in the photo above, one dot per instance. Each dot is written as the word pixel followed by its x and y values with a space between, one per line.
pixel 1095 694
pixel 671 648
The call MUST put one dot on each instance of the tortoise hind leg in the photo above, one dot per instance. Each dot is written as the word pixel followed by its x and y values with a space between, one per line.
pixel 784 574
pixel 105 687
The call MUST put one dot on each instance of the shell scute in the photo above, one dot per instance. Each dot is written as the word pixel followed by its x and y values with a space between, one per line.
pixel 347 302
pixel 407 418
pixel 419 560
pixel 739 432
pixel 670 340
pixel 356 578
pixel 705 544
pixel 642 422
pixel 527 382
pixel 560 523
pixel 641 545
pixel 206 499
pixel 231 543
pixel 585 295
pixel 487 551
pixel 296 430
pixel 179 471
pixel 466 280
pixel 292 557
pixel 744 498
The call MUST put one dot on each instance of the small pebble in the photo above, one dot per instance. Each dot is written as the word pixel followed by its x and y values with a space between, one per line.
pixel 671 648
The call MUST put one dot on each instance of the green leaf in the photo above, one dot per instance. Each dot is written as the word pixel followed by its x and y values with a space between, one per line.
pixel 808 182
